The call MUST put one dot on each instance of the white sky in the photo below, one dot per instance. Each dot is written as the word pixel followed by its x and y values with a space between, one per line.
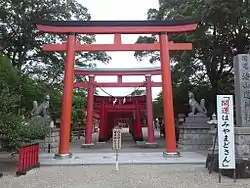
pixel 121 10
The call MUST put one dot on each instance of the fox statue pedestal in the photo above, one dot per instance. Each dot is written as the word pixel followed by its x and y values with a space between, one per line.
pixel 194 133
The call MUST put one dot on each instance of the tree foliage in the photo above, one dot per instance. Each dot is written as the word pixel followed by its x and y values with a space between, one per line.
pixel 223 32
pixel 27 73
pixel 23 42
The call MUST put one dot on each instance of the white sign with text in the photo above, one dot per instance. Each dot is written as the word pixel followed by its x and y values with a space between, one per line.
pixel 117 140
pixel 225 116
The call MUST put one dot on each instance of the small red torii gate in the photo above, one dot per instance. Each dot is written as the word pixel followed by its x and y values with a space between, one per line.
pixel 111 114
pixel 162 27
pixel 91 84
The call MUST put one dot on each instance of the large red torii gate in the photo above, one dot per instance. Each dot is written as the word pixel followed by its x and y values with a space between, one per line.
pixel 71 28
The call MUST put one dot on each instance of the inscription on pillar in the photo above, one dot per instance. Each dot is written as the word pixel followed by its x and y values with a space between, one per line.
pixel 242 89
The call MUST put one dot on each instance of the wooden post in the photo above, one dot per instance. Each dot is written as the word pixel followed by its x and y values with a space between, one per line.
pixel 67 98
pixel 170 142
pixel 89 124
pixel 151 136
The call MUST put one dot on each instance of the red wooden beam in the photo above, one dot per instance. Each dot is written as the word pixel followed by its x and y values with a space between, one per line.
pixel 117 47
pixel 95 72
pixel 110 84
pixel 123 110
pixel 120 106
pixel 136 29
pixel 130 99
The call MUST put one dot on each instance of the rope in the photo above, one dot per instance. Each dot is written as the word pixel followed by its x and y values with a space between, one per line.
pixel 125 95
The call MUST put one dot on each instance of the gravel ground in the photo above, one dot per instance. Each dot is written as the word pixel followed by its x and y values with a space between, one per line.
pixel 128 176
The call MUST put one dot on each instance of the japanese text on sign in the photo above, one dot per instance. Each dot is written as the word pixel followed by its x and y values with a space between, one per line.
pixel 226 131
pixel 117 132
pixel 245 87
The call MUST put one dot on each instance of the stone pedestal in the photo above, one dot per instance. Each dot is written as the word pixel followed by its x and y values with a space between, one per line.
pixel 194 133
pixel 52 141
pixel 242 143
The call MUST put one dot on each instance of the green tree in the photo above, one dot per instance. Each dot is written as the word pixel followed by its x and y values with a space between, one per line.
pixel 223 32
pixel 23 42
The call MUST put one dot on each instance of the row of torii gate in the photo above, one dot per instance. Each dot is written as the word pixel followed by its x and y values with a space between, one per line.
pixel 112 108
pixel 74 28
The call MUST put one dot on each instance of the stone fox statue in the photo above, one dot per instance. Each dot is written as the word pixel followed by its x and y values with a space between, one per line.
pixel 195 106
pixel 40 110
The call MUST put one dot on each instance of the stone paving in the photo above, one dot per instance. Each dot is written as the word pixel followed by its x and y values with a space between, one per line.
pixel 123 158
pixel 128 176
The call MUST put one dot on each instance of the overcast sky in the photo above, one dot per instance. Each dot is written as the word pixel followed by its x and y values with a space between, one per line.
pixel 121 10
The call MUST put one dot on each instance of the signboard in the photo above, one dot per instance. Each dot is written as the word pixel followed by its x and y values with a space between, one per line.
pixel 226 143
pixel 117 133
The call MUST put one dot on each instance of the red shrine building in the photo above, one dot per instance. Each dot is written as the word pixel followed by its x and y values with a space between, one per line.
pixel 72 29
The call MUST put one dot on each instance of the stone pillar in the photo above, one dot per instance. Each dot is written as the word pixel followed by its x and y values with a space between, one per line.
pixel 67 98
pixel 242 89
pixel 90 108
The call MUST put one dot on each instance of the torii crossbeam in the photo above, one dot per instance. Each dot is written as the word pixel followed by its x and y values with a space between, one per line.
pixel 72 28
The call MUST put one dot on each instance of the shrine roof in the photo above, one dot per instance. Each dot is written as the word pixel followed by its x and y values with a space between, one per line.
pixel 117 71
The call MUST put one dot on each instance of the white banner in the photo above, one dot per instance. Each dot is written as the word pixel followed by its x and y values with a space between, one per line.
pixel 225 116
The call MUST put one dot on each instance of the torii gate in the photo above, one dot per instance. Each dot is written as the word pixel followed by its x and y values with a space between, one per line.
pixel 72 28
pixel 119 72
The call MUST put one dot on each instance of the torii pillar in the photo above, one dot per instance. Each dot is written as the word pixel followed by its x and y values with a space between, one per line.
pixel 151 136
pixel 67 98
pixel 102 125
pixel 90 108
pixel 167 95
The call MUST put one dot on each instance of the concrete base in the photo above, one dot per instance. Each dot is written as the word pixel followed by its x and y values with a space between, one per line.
pixel 171 154
pixel 151 145
pixel 92 145
pixel 143 144
pixel 101 142
pixel 63 156
pixel 124 158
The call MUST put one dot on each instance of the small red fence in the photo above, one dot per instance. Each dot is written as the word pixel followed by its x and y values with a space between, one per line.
pixel 28 159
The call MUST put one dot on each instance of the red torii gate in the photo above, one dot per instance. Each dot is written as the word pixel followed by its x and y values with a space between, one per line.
pixel 71 28
pixel 111 114
pixel 91 84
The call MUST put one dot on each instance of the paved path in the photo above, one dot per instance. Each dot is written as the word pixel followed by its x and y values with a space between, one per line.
pixel 124 158
pixel 128 176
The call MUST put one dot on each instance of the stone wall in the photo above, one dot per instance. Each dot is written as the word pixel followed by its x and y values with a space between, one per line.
pixel 194 133
pixel 53 140
pixel 194 138
pixel 242 142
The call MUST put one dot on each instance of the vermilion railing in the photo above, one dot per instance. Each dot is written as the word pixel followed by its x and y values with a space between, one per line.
pixel 28 159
